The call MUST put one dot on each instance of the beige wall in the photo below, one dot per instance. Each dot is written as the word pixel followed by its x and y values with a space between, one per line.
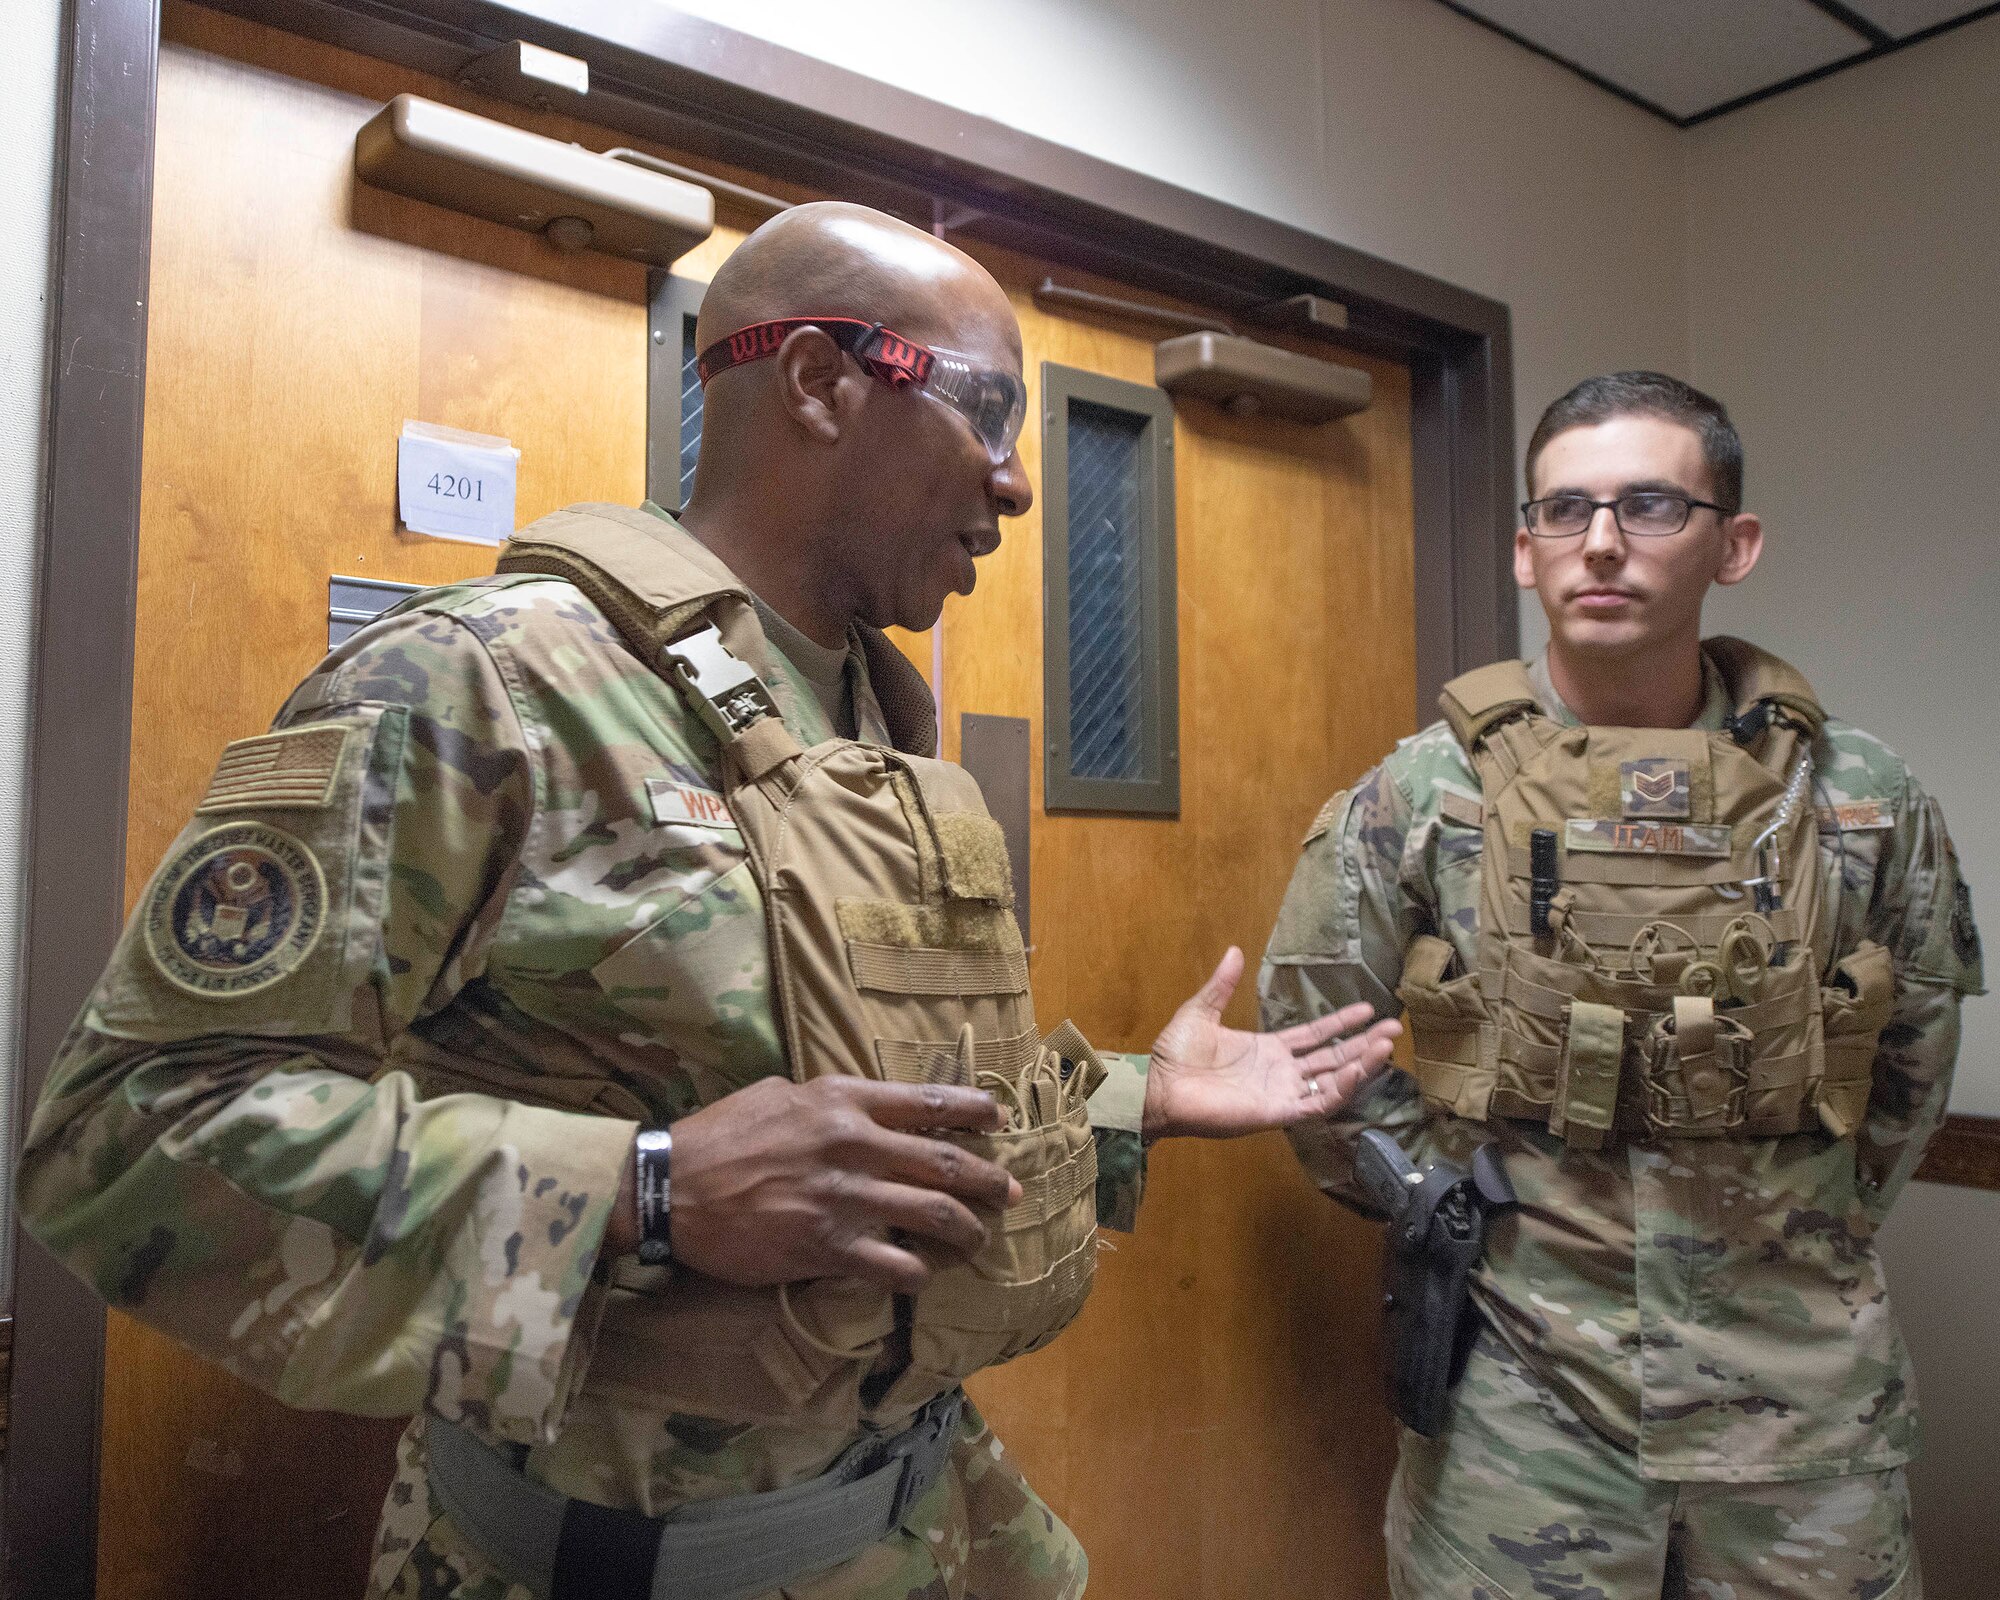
pixel 1822 261
pixel 1939 1249
pixel 28 93
pixel 1843 274
pixel 1843 279
pixel 1828 263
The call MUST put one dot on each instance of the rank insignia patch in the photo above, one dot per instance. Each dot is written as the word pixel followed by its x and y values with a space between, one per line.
pixel 1655 787
pixel 235 911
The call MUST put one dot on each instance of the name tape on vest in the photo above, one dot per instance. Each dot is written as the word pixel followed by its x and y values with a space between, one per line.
pixel 1856 816
pixel 679 802
pixel 1608 836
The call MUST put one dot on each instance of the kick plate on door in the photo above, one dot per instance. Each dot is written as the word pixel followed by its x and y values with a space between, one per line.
pixel 995 751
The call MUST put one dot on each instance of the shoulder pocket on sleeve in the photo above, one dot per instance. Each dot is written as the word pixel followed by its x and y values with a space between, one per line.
pixel 264 915
pixel 1945 947
pixel 1317 918
pixel 1329 814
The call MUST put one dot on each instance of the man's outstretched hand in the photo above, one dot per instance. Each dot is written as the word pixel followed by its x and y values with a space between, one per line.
pixel 1213 1082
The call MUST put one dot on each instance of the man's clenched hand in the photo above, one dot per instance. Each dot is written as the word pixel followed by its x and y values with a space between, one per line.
pixel 781 1181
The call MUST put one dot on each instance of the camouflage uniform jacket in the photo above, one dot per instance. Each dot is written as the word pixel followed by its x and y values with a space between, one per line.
pixel 295 1162
pixel 1715 1306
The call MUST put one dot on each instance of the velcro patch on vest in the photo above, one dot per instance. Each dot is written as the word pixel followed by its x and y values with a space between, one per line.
pixel 1614 836
pixel 1856 816
pixel 682 802
pixel 1461 808
pixel 291 770
pixel 1657 787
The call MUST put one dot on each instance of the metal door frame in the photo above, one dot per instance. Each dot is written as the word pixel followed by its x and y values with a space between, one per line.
pixel 73 887
pixel 712 92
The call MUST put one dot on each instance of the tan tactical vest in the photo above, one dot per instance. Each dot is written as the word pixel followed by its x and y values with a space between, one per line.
pixel 894 955
pixel 1651 934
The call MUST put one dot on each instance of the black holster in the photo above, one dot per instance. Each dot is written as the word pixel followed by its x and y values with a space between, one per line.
pixel 1437 1232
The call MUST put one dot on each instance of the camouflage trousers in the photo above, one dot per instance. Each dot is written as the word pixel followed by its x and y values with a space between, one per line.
pixel 1517 1499
pixel 978 1533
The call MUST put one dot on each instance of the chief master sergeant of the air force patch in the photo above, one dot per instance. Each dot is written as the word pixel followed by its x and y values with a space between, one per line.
pixel 238 908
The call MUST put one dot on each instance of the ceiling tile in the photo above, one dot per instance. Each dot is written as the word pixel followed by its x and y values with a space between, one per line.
pixel 1683 55
pixel 1904 17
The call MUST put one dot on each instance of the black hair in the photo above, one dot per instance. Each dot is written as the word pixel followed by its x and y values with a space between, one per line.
pixel 1650 394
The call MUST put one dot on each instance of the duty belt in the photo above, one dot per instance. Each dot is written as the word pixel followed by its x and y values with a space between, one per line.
pixel 729 1549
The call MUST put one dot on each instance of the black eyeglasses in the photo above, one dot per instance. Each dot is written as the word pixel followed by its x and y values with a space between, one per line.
pixel 1648 514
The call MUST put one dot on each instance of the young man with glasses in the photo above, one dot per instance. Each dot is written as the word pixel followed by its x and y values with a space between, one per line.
pixel 1686 955
pixel 592 1023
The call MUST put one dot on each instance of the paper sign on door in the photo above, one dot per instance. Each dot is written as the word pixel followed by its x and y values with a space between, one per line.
pixel 455 485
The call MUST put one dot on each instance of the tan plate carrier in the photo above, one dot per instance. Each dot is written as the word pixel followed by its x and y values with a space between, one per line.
pixel 895 955
pixel 1660 1004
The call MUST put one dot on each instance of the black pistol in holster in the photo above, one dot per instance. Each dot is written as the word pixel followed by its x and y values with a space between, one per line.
pixel 1437 1231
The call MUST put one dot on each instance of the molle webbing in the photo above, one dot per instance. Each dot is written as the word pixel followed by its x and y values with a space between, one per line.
pixel 931 1061
pixel 894 954
pixel 896 969
pixel 1606 1079
pixel 1634 984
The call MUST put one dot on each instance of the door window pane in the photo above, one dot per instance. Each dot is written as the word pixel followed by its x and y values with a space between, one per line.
pixel 1106 600
pixel 1109 698
pixel 690 408
pixel 673 390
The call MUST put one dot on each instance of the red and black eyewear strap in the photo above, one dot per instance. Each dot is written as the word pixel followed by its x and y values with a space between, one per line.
pixel 897 361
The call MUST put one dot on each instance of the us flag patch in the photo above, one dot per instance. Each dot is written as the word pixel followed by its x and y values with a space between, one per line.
pixel 291 770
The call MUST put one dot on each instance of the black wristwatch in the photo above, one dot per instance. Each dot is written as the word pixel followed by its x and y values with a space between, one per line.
pixel 652 1156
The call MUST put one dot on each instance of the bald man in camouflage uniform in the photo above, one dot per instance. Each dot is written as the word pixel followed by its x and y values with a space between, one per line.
pixel 1686 1379
pixel 353 1110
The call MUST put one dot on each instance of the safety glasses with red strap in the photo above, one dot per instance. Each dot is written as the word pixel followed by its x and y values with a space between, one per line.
pixel 993 403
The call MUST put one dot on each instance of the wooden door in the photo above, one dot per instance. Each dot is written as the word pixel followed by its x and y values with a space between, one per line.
pixel 1218 1398
pixel 1212 1425
pixel 297 320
